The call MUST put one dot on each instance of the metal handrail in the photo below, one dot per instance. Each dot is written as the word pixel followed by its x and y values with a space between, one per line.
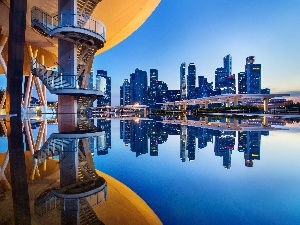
pixel 68 19
pixel 56 81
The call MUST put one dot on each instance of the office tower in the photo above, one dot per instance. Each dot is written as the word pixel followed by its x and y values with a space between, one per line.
pixel 253 73
pixel 191 81
pixel 205 89
pixel 125 93
pixel 161 94
pixel 153 88
pixel 138 87
pixel 103 83
pixel 173 95
pixel 242 83
pixel 224 79
pixel 182 82
pixel 265 91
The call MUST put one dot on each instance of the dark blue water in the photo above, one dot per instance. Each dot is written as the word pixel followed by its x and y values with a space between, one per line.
pixel 229 181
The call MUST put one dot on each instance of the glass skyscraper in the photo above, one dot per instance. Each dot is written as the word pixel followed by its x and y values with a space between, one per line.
pixel 253 73
pixel 153 88
pixel 191 82
pixel 125 93
pixel 138 87
pixel 242 83
pixel 224 79
pixel 103 83
pixel 182 82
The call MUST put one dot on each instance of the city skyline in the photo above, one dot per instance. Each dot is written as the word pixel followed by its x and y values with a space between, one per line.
pixel 163 42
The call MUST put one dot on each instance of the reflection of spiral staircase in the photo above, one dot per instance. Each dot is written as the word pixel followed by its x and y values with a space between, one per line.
pixel 79 37
pixel 87 190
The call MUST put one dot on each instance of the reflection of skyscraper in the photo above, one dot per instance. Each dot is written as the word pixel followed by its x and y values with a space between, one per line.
pixel 153 138
pixel 139 139
pixel 105 142
pixel 183 142
pixel 125 131
pixel 203 137
pixel 224 144
pixel 191 143
pixel 182 82
pixel 249 143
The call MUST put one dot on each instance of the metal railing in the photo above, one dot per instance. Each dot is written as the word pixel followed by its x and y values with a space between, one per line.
pixel 68 19
pixel 57 81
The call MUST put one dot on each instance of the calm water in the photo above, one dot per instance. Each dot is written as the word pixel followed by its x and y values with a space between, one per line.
pixel 205 174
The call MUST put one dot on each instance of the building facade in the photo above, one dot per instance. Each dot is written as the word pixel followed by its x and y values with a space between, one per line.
pixel 191 81
pixel 224 79
pixel 253 73
pixel 182 82
pixel 103 82
pixel 138 87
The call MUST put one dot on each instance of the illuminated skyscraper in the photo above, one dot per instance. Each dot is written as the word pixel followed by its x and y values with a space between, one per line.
pixel 253 73
pixel 224 79
pixel 153 88
pixel 125 93
pixel 191 82
pixel 103 83
pixel 138 87
pixel 182 82
pixel 242 83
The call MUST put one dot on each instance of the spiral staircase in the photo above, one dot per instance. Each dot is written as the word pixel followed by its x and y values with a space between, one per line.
pixel 86 34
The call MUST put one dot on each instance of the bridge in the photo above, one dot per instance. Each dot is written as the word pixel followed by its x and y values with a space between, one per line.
pixel 225 98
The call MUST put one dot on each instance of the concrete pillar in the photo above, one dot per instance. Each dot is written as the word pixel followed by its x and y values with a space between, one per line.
pixel 206 105
pixel 235 102
pixel 227 103
pixel 266 104
pixel 16 42
pixel 67 113
pixel 265 121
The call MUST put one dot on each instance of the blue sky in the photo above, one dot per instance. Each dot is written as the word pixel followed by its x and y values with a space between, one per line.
pixel 203 32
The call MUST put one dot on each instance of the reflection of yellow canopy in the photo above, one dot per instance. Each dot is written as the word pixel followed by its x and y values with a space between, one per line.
pixel 121 18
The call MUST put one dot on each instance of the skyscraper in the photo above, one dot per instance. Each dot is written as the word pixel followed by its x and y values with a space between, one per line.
pixel 224 79
pixel 205 89
pixel 191 82
pixel 253 73
pixel 153 88
pixel 242 83
pixel 125 93
pixel 182 82
pixel 138 87
pixel 162 92
pixel 103 83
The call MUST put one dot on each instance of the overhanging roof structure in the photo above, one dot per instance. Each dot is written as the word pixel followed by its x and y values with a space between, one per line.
pixel 121 19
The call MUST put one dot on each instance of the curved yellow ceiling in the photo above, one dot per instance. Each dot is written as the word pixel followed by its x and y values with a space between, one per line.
pixel 121 18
